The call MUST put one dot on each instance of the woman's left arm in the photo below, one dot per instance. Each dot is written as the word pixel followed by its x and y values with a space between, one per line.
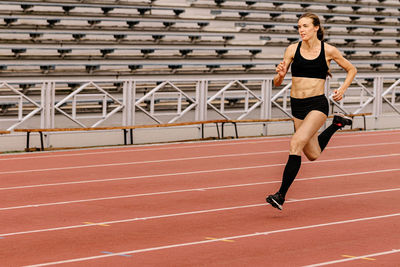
pixel 335 55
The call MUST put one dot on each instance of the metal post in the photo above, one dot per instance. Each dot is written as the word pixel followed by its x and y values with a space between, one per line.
pixel 47 108
pixel 53 103
pixel 201 107
pixel 125 97
pixel 132 112
pixel 327 92
pixel 43 104
pixel 377 109
pixel 266 108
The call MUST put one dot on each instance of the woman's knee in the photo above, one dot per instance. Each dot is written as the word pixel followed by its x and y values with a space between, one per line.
pixel 312 156
pixel 297 144
pixel 312 150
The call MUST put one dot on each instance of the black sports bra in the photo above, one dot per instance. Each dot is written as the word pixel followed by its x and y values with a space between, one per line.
pixel 314 68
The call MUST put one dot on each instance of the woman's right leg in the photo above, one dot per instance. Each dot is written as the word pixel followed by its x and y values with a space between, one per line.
pixel 339 121
pixel 312 149
pixel 318 142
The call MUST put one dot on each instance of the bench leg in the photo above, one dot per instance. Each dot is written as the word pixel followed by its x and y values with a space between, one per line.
pixel 41 141
pixel 202 131
pixel 216 124
pixel 365 123
pixel 236 131
pixel 222 129
pixel 125 141
pixel 131 135
pixel 27 140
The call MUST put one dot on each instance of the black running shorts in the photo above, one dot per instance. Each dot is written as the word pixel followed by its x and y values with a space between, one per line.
pixel 302 106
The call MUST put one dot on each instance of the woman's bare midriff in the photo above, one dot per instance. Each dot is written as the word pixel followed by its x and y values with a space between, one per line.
pixel 307 87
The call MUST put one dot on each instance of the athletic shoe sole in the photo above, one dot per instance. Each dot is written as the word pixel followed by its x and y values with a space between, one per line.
pixel 273 203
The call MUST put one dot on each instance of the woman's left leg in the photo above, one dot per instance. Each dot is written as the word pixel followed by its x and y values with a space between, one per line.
pixel 306 130
pixel 305 139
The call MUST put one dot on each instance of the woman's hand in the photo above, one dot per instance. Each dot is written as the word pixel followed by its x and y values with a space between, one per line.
pixel 337 95
pixel 281 69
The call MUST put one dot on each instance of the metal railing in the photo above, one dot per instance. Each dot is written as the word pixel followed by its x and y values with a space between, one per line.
pixel 180 100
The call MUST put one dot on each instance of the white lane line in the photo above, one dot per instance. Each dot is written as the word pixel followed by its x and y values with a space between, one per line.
pixel 355 258
pixel 188 173
pixel 147 149
pixel 365 134
pixel 189 190
pixel 139 162
pixel 182 173
pixel 217 240
pixel 135 177
pixel 197 212
pixel 160 147
pixel 180 159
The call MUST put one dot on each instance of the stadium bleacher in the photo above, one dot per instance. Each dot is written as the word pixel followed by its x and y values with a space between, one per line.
pixel 188 37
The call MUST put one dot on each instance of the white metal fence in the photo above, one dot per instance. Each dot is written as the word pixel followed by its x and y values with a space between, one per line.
pixel 179 100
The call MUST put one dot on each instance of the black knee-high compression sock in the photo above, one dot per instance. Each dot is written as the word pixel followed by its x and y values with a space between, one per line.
pixel 325 136
pixel 292 168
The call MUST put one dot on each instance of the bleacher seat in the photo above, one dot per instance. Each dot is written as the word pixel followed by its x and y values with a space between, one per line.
pixel 215 32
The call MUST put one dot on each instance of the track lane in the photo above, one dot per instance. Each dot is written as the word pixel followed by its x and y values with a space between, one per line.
pixel 127 168
pixel 168 232
pixel 31 196
pixel 340 138
pixel 69 214
pixel 163 152
pixel 291 248
pixel 93 233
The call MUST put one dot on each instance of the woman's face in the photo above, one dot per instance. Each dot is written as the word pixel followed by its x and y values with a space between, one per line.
pixel 306 28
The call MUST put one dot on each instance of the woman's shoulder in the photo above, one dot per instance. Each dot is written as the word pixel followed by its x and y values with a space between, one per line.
pixel 330 48
pixel 292 48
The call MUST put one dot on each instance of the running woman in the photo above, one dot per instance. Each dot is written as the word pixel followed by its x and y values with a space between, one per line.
pixel 309 59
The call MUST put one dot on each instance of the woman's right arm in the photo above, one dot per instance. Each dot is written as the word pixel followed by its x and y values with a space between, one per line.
pixel 283 67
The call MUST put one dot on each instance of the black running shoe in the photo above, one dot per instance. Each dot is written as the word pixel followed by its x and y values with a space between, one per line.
pixel 341 120
pixel 276 200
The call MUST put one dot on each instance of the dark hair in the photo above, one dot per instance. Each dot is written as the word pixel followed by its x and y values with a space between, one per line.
pixel 316 22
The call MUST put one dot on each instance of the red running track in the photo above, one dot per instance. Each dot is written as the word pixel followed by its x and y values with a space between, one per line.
pixel 203 204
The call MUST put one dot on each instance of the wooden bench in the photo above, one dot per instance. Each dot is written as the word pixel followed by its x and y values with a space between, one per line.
pixel 4 132
pixel 130 129
pixel 125 130
pixel 235 122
